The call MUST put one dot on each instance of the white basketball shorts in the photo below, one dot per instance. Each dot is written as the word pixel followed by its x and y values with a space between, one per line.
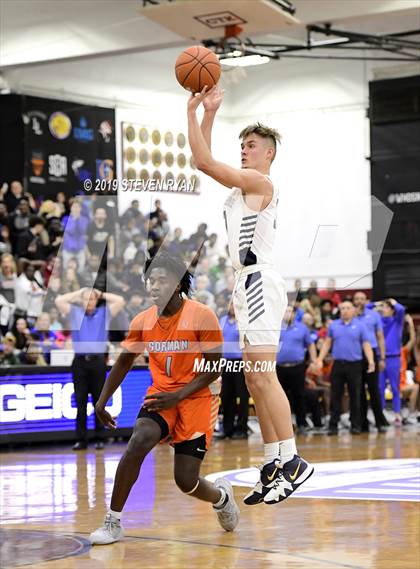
pixel 260 301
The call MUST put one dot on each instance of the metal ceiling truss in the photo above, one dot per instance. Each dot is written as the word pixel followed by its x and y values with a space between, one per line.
pixel 388 47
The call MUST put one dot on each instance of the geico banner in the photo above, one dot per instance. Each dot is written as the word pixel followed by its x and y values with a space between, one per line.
pixel 45 401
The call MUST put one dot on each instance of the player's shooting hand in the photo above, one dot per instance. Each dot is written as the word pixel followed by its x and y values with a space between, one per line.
pixel 197 98
pixel 104 417
pixel 214 98
pixel 160 401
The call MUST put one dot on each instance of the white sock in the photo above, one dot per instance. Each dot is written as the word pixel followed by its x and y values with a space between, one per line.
pixel 221 502
pixel 271 452
pixel 115 514
pixel 282 450
pixel 287 450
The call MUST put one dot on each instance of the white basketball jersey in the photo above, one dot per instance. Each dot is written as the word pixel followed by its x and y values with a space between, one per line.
pixel 251 234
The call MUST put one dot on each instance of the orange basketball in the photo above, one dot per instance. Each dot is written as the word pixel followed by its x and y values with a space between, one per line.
pixel 197 67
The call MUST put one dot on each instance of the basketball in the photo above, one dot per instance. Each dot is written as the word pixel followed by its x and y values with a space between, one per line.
pixel 197 67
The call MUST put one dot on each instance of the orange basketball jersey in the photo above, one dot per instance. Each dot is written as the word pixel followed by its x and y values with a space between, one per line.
pixel 174 343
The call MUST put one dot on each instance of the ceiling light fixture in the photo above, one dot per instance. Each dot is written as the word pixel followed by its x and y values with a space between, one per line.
pixel 233 60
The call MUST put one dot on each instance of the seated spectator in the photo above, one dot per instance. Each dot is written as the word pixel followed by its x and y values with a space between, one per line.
pixel 128 230
pixel 46 338
pixel 100 235
pixel 29 243
pixel 213 251
pixel 162 226
pixel 216 271
pixel 330 293
pixel 5 242
pixel 8 277
pixel 205 297
pixel 176 247
pixel 136 304
pixel 4 214
pixel 199 237
pixel 298 294
pixel 13 195
pixel 55 232
pixel 19 220
pixel 221 302
pixel 20 331
pixel 409 388
pixel 133 213
pixel 32 355
pixel 55 324
pixel 327 311
pixel 8 357
pixel 69 282
pixel 62 207
pixel 29 294
pixel 75 235
pixel 158 208
pixel 312 306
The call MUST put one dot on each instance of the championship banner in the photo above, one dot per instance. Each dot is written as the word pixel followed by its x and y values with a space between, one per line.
pixel 66 144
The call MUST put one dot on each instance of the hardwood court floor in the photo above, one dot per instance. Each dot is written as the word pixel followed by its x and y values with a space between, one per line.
pixel 55 492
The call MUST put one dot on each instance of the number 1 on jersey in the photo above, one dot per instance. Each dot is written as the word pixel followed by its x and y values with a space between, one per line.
pixel 168 366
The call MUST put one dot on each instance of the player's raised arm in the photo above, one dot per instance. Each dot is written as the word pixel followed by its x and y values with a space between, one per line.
pixel 249 180
pixel 211 105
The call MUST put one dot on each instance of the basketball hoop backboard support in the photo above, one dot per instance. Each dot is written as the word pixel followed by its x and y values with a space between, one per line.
pixel 206 19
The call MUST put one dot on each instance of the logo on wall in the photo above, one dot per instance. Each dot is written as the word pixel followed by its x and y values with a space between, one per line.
pixel 105 169
pixel 57 168
pixel 37 121
pixel 37 165
pixel 82 133
pixel 60 125
pixel 105 130
pixel 80 171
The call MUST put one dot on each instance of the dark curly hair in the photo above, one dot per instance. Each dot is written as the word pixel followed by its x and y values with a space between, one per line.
pixel 172 264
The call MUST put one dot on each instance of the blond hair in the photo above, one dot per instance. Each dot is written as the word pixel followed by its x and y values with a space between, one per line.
pixel 264 132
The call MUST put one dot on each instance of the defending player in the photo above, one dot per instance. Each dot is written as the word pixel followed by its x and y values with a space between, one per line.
pixel 259 297
pixel 176 331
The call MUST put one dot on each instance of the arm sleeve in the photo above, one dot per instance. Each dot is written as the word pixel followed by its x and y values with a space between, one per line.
pixel 134 341
pixel 308 338
pixel 378 324
pixel 209 332
pixel 399 312
pixel 330 332
pixel 364 333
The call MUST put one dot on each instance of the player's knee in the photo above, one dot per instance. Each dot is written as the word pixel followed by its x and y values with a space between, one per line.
pixel 140 443
pixel 256 382
pixel 187 483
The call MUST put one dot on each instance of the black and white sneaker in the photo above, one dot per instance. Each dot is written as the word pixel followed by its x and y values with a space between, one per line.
pixel 256 495
pixel 283 481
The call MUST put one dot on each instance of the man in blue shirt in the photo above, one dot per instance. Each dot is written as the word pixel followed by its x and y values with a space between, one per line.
pixel 295 339
pixel 89 322
pixel 393 314
pixel 349 339
pixel 373 323
pixel 233 381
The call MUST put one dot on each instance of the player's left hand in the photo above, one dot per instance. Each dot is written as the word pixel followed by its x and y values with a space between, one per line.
pixel 160 401
pixel 197 98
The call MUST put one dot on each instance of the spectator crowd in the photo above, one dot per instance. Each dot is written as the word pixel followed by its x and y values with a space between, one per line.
pixel 336 351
